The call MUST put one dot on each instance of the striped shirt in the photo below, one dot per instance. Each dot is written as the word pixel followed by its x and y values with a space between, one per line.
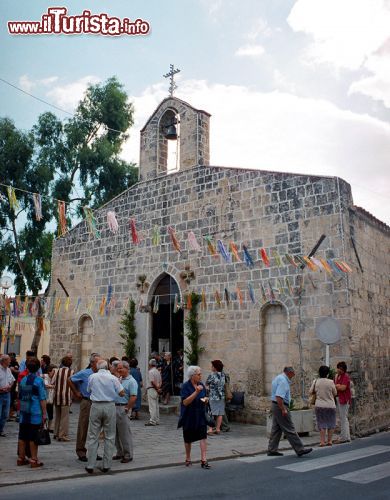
pixel 62 393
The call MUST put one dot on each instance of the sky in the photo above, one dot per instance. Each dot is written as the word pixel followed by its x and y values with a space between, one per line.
pixel 292 85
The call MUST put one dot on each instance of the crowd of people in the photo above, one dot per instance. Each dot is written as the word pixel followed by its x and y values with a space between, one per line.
pixel 38 393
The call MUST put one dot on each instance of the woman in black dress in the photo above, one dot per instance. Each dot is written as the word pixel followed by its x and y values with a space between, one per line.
pixel 192 414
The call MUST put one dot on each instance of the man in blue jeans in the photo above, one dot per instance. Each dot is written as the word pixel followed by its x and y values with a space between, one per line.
pixel 6 382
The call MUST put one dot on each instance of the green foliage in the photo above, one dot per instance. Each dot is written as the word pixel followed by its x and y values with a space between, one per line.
pixel 53 159
pixel 128 333
pixel 192 332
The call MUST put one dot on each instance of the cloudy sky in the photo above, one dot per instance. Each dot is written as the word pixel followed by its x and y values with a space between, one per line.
pixel 292 85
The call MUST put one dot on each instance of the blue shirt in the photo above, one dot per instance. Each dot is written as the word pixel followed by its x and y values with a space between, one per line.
pixel 31 392
pixel 281 388
pixel 80 379
pixel 103 386
pixel 130 386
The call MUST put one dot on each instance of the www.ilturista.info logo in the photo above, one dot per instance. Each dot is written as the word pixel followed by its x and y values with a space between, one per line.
pixel 57 22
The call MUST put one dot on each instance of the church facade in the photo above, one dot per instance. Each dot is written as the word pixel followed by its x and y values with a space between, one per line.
pixel 240 239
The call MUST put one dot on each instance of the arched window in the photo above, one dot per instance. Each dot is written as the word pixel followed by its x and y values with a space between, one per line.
pixel 169 143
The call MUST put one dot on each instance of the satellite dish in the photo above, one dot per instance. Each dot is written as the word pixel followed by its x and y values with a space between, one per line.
pixel 328 330
pixel 6 282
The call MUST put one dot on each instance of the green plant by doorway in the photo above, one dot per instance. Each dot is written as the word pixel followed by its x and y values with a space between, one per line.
pixel 128 333
pixel 192 331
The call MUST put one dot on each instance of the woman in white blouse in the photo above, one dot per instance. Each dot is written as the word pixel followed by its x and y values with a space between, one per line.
pixel 325 406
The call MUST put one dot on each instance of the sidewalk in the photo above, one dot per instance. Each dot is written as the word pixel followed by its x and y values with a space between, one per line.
pixel 154 447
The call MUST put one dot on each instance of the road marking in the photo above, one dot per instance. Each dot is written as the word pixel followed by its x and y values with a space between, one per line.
pixel 305 464
pixel 368 475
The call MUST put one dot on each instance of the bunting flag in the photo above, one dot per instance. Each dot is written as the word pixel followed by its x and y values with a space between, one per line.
pixel 271 292
pixel 234 251
pixel 35 307
pixel 102 306
pixel 263 294
pixel 17 305
pixel 203 302
pixel 301 260
pixel 175 241
pixel 25 306
pixel 326 266
pixel 348 269
pixel 218 298
pixel 77 306
pixel 222 250
pixel 37 200
pixel 111 305
pixel 210 246
pixel 317 263
pixel 239 296
pixel 247 257
pixel 67 303
pixel 290 260
pixel 58 305
pixel 277 258
pixel 192 242
pixel 333 267
pixel 109 294
pixel 189 302
pixel 251 293
pixel 280 287
pixel 289 287
pixel 62 225
pixel 264 257
pixel 227 297
pixel 134 234
pixel 91 222
pixel 112 222
pixel 156 304
pixel 52 304
pixel 91 305
pixel 156 236
pixel 233 295
pixel 310 264
pixel 13 202
pixel 300 282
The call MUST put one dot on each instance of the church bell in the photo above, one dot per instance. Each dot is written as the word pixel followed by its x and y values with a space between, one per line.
pixel 171 133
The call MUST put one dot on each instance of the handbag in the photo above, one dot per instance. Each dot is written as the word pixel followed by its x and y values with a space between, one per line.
pixel 210 421
pixel 43 437
pixel 313 397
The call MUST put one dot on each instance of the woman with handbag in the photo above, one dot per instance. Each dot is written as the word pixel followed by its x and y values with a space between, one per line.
pixel 32 397
pixel 323 392
pixel 193 416
pixel 216 384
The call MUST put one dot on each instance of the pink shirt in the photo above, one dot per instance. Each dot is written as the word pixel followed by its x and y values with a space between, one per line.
pixel 344 396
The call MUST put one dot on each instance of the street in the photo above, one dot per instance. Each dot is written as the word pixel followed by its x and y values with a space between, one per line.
pixel 357 470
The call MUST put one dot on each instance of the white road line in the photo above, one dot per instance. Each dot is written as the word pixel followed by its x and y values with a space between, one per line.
pixel 368 475
pixel 305 464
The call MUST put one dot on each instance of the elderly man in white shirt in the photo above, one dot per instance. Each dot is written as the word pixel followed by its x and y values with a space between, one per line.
pixel 104 388
pixel 6 382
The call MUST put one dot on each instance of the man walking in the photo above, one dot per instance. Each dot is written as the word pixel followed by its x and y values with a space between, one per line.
pixel 281 419
pixel 6 382
pixel 153 389
pixel 123 406
pixel 103 387
pixel 78 384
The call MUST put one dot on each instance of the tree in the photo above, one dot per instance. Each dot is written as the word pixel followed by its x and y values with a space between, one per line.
pixel 85 149
pixel 193 334
pixel 129 333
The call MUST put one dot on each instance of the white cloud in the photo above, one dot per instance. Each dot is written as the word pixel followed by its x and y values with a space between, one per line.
pixel 259 27
pixel 48 81
pixel 280 131
pixel 377 85
pixel 68 96
pixel 26 83
pixel 250 50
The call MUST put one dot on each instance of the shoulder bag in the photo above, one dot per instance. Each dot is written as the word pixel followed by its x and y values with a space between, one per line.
pixel 313 396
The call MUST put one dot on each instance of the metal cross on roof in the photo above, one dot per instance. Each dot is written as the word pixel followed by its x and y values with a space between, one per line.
pixel 171 74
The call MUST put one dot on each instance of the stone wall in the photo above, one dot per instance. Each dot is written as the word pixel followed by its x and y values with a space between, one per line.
pixel 281 212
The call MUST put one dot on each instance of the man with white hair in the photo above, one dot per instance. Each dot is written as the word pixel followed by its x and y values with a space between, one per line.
pixel 78 384
pixel 104 388
pixel 153 390
pixel 6 382
pixel 123 406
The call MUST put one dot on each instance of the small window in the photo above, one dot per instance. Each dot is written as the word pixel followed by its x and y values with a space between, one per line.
pixel 12 344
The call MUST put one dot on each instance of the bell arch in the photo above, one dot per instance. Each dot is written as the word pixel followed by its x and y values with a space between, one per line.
pixel 168 149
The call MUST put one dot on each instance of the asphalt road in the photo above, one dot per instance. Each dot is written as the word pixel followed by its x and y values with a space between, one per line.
pixel 359 470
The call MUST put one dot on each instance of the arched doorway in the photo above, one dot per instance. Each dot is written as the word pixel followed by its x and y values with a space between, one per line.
pixel 85 328
pixel 167 324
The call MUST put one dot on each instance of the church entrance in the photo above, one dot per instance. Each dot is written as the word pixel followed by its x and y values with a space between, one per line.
pixel 167 325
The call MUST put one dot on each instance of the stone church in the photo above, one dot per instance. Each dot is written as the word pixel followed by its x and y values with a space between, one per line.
pixel 258 315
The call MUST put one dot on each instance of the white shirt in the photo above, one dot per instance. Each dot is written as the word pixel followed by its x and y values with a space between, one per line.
pixel 103 386
pixel 6 377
